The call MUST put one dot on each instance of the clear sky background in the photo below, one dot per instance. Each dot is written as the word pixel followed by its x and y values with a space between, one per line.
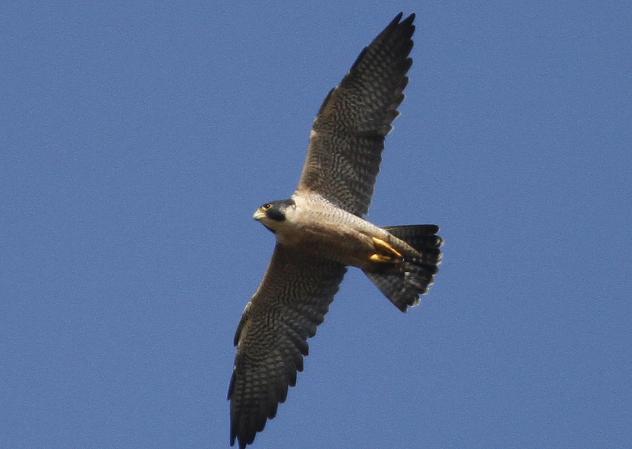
pixel 137 138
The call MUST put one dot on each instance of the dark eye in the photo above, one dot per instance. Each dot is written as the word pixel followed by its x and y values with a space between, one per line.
pixel 267 206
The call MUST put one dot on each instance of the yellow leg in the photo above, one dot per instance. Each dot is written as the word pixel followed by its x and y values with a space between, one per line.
pixel 380 258
pixel 381 244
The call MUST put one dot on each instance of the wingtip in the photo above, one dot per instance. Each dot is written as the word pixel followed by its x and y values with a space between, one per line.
pixel 397 25
pixel 407 21
pixel 407 24
pixel 241 442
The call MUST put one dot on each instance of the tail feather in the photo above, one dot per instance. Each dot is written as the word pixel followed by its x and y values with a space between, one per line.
pixel 404 283
pixel 423 238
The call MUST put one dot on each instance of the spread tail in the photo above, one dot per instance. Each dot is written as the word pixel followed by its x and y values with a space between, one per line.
pixel 404 282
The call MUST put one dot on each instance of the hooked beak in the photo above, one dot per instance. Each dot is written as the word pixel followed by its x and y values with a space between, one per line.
pixel 259 214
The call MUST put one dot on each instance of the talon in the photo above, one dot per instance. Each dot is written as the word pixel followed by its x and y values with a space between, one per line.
pixel 379 258
pixel 381 244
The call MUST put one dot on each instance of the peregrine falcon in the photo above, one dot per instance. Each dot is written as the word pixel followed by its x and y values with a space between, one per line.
pixel 320 231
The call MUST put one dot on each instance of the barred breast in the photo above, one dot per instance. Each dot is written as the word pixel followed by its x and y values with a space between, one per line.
pixel 324 230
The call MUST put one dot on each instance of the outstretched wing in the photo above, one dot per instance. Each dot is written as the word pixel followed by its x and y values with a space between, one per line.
pixel 347 137
pixel 290 303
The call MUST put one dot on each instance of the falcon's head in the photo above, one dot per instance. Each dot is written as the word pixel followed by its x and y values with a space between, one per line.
pixel 275 213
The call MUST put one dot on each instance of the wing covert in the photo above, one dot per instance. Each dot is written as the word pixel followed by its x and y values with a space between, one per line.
pixel 347 138
pixel 271 338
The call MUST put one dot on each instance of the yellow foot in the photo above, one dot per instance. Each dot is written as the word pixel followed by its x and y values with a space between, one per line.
pixel 379 258
pixel 381 244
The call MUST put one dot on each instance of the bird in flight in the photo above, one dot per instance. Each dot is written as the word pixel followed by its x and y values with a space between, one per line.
pixel 320 231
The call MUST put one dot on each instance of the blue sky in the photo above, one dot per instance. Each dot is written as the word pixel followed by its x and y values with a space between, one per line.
pixel 137 138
